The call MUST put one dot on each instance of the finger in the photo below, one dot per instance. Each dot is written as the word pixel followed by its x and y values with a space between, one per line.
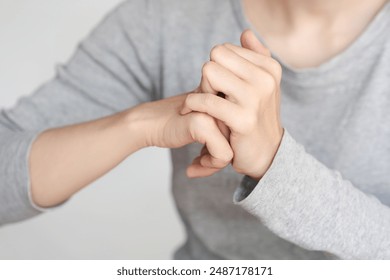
pixel 205 85
pixel 199 168
pixel 204 130
pixel 214 106
pixel 265 62
pixel 224 129
pixel 206 160
pixel 249 41
pixel 209 161
pixel 243 68
pixel 222 79
pixel 196 170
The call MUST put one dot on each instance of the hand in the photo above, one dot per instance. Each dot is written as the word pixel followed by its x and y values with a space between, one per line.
pixel 161 124
pixel 250 80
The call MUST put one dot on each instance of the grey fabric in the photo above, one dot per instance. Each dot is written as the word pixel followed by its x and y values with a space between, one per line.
pixel 327 193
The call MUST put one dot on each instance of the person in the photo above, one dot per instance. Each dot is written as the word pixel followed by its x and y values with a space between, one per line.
pixel 293 118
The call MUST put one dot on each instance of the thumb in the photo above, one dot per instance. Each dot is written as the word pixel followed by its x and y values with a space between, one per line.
pixel 250 41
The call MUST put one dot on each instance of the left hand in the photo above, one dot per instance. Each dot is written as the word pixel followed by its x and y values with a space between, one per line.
pixel 250 79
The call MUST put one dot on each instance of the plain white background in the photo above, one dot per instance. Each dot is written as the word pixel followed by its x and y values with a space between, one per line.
pixel 127 214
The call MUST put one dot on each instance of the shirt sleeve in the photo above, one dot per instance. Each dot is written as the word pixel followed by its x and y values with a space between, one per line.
pixel 114 68
pixel 304 202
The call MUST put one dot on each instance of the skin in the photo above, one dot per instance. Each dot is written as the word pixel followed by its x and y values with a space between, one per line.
pixel 306 33
pixel 250 79
pixel 247 75
pixel 86 149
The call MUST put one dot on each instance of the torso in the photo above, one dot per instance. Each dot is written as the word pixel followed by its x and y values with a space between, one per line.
pixel 338 111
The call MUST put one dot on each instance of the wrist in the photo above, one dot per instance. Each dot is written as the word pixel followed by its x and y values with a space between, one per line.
pixel 263 164
pixel 135 127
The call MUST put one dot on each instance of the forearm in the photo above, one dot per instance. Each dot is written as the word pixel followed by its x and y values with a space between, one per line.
pixel 306 203
pixel 64 160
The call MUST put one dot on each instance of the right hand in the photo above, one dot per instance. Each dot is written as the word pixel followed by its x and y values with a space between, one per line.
pixel 161 124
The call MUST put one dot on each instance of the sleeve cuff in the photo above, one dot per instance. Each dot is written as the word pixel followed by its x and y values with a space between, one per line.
pixel 288 178
pixel 306 203
pixel 15 189
pixel 250 191
pixel 28 180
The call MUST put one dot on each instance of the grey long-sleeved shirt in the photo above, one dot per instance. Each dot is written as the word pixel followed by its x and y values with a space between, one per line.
pixel 327 192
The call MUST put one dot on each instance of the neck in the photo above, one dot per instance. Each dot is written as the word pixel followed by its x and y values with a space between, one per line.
pixel 293 9
pixel 290 14
pixel 306 33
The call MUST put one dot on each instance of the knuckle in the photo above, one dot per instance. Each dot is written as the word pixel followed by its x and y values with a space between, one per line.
pixel 255 91
pixel 216 162
pixel 268 84
pixel 207 68
pixel 216 51
pixel 208 100
pixel 201 121
pixel 255 76
pixel 276 69
pixel 198 126
pixel 189 100
pixel 222 159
